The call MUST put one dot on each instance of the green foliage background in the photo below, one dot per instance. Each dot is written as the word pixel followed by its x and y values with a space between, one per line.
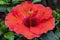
pixel 6 6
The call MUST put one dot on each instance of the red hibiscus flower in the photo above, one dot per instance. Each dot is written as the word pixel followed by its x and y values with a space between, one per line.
pixel 30 20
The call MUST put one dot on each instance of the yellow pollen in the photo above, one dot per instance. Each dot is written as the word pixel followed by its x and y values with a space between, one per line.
pixel 30 12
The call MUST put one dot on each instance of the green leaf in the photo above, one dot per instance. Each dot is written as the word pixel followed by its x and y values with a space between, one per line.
pixel 7 1
pixel 49 36
pixel 9 9
pixel 2 2
pixel 57 32
pixel 9 35
pixel 16 1
pixel 1 32
pixel 36 38
pixel 35 1
pixel 19 35
pixel 3 26
pixel 57 16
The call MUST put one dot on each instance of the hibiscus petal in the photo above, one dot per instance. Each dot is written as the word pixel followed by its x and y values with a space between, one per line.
pixel 43 12
pixel 43 27
pixel 21 29
pixel 10 22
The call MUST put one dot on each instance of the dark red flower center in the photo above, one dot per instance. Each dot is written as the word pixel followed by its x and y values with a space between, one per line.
pixel 30 22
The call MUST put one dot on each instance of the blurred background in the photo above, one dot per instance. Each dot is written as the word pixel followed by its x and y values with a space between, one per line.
pixel 6 6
